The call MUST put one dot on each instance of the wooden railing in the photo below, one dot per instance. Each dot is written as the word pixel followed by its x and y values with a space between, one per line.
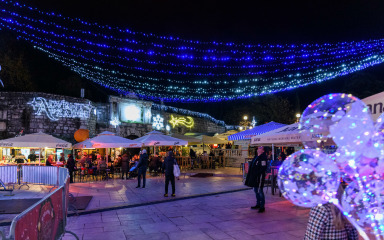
pixel 228 152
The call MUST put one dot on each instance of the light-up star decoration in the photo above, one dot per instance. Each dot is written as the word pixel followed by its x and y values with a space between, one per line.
pixel 182 121
pixel 341 140
pixel 158 122
pixel 253 123
pixel 115 122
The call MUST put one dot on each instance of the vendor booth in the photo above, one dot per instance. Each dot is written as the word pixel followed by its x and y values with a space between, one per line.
pixel 31 147
pixel 109 141
pixel 243 138
pixel 160 141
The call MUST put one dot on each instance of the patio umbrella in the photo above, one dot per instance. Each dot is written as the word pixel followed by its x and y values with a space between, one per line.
pixel 35 140
pixel 108 140
pixel 191 140
pixel 211 140
pixel 156 138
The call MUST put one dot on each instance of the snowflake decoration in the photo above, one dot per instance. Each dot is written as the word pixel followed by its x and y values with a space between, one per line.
pixel 115 122
pixel 253 123
pixel 158 122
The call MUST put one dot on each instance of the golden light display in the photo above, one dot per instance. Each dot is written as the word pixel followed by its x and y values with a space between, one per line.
pixel 182 121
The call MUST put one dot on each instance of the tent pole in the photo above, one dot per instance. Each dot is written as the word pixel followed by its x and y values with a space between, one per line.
pixel 273 152
pixel 39 156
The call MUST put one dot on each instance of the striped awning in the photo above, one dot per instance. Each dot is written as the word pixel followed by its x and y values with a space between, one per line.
pixel 247 134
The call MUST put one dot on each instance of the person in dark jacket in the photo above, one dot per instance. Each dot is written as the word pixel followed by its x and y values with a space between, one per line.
pixel 256 178
pixel 71 167
pixel 142 167
pixel 168 164
pixel 125 166
pixel 49 161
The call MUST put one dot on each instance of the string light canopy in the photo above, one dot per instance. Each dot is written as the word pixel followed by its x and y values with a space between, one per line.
pixel 167 68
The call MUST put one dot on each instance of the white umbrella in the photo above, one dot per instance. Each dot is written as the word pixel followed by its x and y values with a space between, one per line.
pixel 156 138
pixel 35 140
pixel 189 139
pixel 108 140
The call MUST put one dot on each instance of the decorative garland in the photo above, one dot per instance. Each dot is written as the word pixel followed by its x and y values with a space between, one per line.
pixel 173 69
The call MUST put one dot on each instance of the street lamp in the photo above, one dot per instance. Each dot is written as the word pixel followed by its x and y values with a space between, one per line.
pixel 245 118
pixel 298 117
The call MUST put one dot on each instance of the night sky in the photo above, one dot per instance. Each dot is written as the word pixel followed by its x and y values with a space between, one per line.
pixel 239 21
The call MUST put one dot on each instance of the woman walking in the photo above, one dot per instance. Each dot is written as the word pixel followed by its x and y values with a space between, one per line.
pixel 168 164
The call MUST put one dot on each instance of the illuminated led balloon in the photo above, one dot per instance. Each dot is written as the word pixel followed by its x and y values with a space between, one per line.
pixel 364 202
pixel 337 120
pixel 308 178
pixel 378 137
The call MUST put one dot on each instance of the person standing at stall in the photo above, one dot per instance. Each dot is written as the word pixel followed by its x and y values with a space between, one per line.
pixel 71 167
pixel 32 156
pixel 142 167
pixel 62 159
pixel 49 161
pixel 256 178
pixel 125 166
pixel 168 164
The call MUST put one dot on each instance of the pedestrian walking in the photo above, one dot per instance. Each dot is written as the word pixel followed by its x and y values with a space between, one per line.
pixel 168 166
pixel 256 178
pixel 142 167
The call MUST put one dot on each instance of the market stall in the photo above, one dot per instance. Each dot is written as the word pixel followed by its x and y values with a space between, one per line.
pixel 40 143
pixel 107 140
pixel 158 140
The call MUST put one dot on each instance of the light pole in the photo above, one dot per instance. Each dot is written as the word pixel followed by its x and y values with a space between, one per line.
pixel 298 117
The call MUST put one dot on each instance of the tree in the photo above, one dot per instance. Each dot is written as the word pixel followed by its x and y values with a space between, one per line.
pixel 272 108
pixel 15 72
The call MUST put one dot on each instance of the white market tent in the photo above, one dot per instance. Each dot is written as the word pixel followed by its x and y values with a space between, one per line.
pixel 156 138
pixel 108 140
pixel 375 104
pixel 248 134
pixel 35 140
pixel 189 139
pixel 284 136
pixel 211 140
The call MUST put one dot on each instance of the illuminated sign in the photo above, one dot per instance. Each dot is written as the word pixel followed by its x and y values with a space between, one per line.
pixel 115 122
pixel 130 113
pixel 182 121
pixel 158 122
pixel 55 109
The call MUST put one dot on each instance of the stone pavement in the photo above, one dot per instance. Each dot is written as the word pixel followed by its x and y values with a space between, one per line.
pixel 116 192
pixel 224 216
pixel 221 216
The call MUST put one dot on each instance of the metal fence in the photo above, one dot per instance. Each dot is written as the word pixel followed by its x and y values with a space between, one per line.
pixel 8 174
pixel 47 218
pixel 40 175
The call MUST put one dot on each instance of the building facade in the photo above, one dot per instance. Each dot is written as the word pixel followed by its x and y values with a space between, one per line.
pixel 30 112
